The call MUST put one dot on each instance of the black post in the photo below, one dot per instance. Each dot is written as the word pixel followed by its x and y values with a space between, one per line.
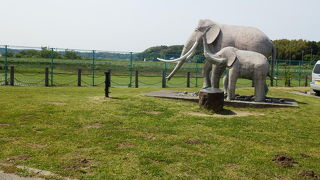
pixel 12 75
pixel 6 65
pixel 306 81
pixel 163 79
pixel 79 77
pixel 137 79
pixel 6 75
pixel 107 84
pixel 46 77
pixel 188 79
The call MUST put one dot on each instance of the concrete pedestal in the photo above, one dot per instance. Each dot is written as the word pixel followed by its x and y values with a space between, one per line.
pixel 211 99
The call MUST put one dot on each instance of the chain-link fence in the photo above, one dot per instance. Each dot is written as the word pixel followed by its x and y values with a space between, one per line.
pixel 40 66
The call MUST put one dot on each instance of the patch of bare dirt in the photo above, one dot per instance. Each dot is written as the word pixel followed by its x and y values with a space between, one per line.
pixel 37 146
pixel 304 155
pixel 310 174
pixel 3 124
pixel 80 166
pixel 284 160
pixel 98 99
pixel 22 157
pixel 232 166
pixel 55 103
pixel 26 117
pixel 116 122
pixel 151 138
pixel 93 126
pixel 8 168
pixel 151 112
pixel 193 141
pixel 124 145
pixel 229 115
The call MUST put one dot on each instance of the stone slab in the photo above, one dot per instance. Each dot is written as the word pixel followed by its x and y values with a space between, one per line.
pixel 193 97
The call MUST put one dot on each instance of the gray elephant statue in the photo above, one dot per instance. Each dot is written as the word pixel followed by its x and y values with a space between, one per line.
pixel 241 64
pixel 219 36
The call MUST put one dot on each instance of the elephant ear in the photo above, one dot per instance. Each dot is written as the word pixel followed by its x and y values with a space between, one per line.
pixel 212 33
pixel 231 55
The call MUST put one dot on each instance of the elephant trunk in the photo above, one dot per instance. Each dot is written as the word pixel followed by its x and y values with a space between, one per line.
pixel 209 56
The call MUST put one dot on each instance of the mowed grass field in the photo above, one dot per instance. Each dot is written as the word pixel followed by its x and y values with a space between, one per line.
pixel 76 132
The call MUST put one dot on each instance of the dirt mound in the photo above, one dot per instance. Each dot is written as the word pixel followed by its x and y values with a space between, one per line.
pixel 55 103
pixel 193 141
pixel 123 145
pixel 308 174
pixel 22 157
pixel 93 126
pixel 284 160
pixel 304 155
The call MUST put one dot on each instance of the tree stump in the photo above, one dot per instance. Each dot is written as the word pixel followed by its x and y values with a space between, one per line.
pixel 211 99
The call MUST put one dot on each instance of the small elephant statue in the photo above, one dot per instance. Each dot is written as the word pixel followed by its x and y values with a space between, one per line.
pixel 241 64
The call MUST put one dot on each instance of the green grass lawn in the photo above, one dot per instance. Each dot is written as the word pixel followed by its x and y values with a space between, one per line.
pixel 76 132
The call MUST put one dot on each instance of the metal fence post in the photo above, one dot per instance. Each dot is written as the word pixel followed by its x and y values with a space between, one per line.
pixel 272 71
pixel 107 84
pixel 46 77
pixel 51 73
pixel 130 70
pixel 277 72
pixel 12 75
pixel 306 81
pixel 299 73
pixel 93 66
pixel 6 65
pixel 137 79
pixel 79 77
pixel 163 79
pixel 188 79
pixel 197 74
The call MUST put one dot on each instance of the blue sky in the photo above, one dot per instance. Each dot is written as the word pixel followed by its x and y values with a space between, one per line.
pixel 134 25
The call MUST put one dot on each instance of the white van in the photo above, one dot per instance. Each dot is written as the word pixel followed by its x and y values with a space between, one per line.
pixel 315 83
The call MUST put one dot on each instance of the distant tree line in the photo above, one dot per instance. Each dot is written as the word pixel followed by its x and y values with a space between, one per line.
pixel 297 49
pixel 43 53
pixel 286 49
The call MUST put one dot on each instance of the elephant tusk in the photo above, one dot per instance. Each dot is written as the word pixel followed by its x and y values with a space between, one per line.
pixel 187 55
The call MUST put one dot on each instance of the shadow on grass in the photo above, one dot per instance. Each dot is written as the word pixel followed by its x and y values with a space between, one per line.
pixel 226 112
pixel 116 98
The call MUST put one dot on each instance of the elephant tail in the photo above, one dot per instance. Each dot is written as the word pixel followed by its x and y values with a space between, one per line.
pixel 273 55
pixel 273 78
pixel 274 52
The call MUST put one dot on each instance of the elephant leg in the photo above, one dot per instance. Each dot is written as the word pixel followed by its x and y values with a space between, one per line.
pixel 260 89
pixel 206 75
pixel 232 81
pixel 217 71
pixel 225 83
